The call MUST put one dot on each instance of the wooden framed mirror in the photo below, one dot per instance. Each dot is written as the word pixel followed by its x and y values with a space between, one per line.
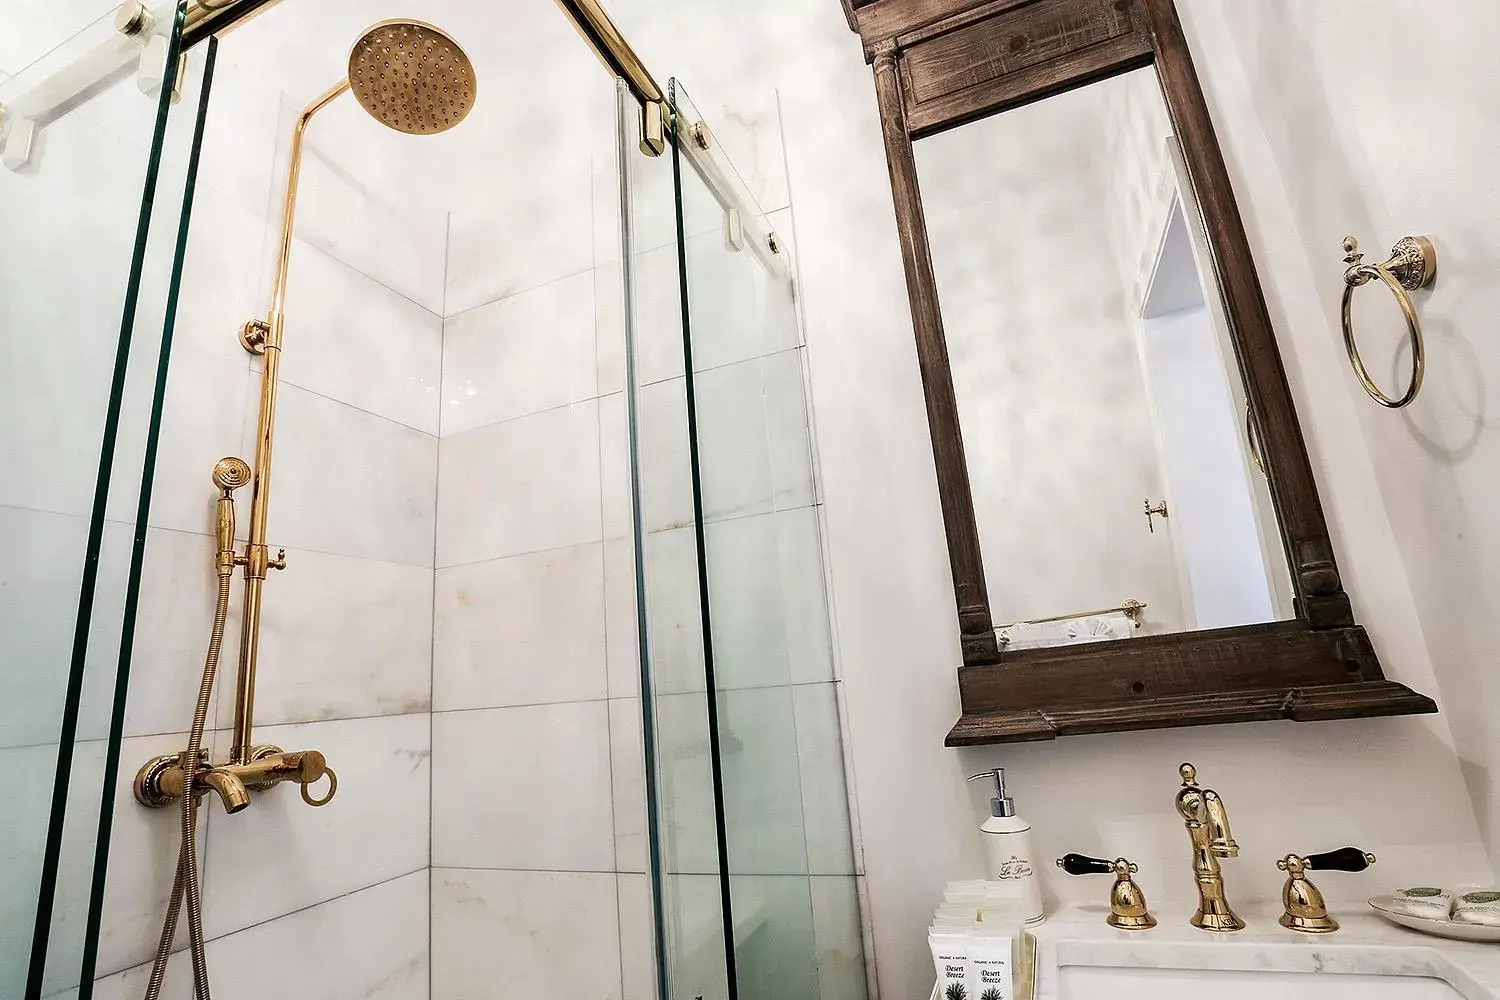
pixel 1132 519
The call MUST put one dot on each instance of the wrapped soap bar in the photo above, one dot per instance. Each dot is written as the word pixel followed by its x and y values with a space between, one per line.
pixel 1480 907
pixel 1425 901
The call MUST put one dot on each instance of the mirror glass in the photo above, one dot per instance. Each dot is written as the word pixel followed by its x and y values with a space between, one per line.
pixel 1114 465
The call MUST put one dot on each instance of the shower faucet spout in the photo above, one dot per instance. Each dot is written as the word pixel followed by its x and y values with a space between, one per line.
pixel 231 789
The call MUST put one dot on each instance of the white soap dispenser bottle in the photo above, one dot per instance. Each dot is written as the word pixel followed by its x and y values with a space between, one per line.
pixel 1007 850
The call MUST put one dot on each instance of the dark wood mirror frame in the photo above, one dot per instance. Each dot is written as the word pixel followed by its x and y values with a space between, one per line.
pixel 941 63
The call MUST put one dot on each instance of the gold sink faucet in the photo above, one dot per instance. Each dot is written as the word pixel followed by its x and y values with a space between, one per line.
pixel 1208 825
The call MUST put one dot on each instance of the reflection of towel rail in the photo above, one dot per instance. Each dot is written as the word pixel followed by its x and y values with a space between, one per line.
pixel 1130 609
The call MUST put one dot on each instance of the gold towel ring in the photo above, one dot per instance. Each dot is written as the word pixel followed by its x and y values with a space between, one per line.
pixel 1413 265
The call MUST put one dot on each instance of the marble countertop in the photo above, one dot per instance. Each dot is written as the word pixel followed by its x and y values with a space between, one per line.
pixel 1364 945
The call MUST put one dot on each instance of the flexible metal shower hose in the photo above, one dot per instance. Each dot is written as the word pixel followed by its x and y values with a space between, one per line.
pixel 186 883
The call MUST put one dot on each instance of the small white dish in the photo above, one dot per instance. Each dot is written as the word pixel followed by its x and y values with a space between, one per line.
pixel 1387 907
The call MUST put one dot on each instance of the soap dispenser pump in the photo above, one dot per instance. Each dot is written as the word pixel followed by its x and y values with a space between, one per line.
pixel 1007 850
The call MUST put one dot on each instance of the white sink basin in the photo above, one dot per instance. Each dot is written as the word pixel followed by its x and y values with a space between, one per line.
pixel 1101 983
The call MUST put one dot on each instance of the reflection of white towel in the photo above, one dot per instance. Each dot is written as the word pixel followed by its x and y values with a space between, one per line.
pixel 1094 628
pixel 1100 627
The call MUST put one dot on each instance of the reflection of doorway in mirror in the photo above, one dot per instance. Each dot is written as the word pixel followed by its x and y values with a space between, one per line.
pixel 1227 564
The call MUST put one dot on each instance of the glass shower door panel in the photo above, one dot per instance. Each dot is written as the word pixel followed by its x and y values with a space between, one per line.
pixel 682 810
pixel 788 849
pixel 82 302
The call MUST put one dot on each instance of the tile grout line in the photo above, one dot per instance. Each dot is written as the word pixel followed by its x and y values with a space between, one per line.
pixel 609 715
pixel 437 486
pixel 728 519
pixel 272 920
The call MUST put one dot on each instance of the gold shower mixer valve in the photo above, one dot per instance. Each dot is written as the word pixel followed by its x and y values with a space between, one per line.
pixel 160 782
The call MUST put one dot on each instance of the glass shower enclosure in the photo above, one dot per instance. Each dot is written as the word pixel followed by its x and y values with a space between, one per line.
pixel 731 753
pixel 88 251
pixel 752 848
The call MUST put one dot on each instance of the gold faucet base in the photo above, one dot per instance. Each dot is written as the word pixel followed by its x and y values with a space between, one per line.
pixel 1309 925
pixel 1144 922
pixel 1219 923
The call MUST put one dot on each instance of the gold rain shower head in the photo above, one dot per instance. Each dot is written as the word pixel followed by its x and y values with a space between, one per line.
pixel 412 77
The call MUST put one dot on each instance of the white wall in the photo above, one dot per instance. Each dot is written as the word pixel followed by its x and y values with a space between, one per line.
pixel 1324 140
pixel 892 587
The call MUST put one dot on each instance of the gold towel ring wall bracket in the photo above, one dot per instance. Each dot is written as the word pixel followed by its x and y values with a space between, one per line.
pixel 1412 265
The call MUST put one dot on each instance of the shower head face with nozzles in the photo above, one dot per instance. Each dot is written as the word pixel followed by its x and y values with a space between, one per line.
pixel 231 473
pixel 412 77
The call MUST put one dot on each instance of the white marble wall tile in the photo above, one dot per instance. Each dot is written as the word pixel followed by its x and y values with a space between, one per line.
pixel 658 315
pixel 35 27
pixel 39 583
pixel 384 233
pixel 747 607
pixel 241 136
pixel 225 276
pixel 614 466
pixel 609 326
pixel 537 933
pixel 738 309
pixel 531 351
pixel 685 769
pixel 75 869
pixel 839 939
pixel 733 445
pixel 774 913
pixel 523 236
pixel 525 630
pixel 621 626
pixel 143 857
pixel 746 121
pixel 371 944
pixel 666 471
pixel 520 486
pixel 762 782
pixel 523 788
pixel 637 940
pixel 788 430
pixel 203 420
pixel 674 611
pixel 804 595
pixel 78 217
pixel 351 483
pixel 341 638
pixel 628 777
pixel 174 621
pixel 26 783
pixel 281 855
pixel 695 933
pixel 350 338
pixel 825 791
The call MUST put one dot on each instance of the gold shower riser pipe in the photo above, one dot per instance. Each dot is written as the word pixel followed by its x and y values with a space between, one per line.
pixel 265 339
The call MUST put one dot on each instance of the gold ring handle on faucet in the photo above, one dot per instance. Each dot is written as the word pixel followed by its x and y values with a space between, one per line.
pixel 333 789
pixel 1412 265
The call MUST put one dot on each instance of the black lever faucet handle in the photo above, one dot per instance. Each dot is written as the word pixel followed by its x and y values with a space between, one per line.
pixel 1345 859
pixel 1079 864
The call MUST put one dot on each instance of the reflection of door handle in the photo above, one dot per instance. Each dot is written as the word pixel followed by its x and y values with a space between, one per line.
pixel 1160 507
pixel 1252 438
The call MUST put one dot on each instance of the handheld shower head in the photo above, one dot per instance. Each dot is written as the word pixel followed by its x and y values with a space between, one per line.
pixel 231 473
pixel 412 77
